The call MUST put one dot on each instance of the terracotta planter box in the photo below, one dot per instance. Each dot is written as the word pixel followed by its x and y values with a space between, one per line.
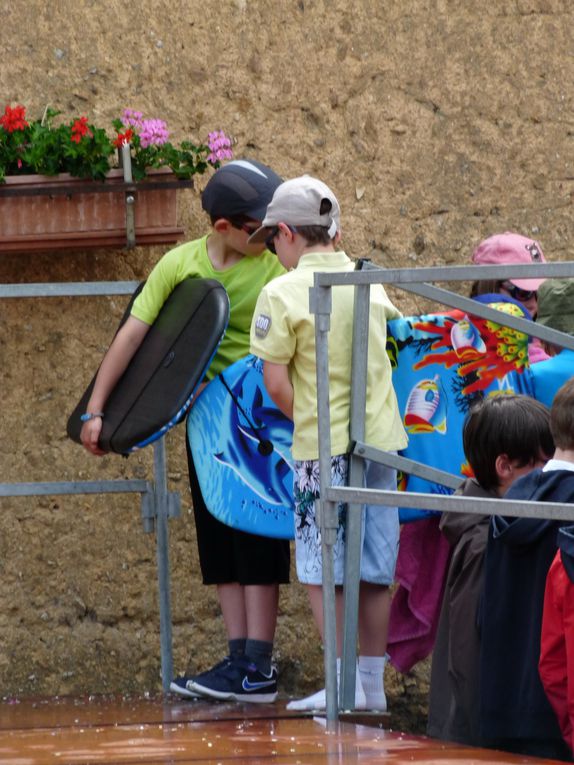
pixel 40 213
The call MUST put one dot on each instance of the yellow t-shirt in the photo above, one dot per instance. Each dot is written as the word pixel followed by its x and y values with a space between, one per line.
pixel 283 332
pixel 243 283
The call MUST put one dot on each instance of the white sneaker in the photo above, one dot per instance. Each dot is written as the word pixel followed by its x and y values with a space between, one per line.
pixel 318 702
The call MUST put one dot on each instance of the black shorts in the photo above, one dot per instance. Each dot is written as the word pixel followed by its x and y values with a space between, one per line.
pixel 227 555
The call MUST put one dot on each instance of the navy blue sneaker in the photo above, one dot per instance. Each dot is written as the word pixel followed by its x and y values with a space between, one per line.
pixel 182 685
pixel 239 681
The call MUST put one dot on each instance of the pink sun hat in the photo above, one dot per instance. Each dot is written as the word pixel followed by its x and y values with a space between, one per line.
pixel 510 249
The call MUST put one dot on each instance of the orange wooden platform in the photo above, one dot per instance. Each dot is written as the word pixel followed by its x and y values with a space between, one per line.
pixel 111 730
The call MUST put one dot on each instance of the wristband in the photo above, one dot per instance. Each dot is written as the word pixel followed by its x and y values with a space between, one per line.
pixel 91 415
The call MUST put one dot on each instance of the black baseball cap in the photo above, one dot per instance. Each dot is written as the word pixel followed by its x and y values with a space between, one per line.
pixel 240 187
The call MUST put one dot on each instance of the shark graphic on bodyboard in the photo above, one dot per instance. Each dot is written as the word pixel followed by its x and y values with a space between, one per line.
pixel 159 384
pixel 241 442
pixel 241 447
pixel 441 364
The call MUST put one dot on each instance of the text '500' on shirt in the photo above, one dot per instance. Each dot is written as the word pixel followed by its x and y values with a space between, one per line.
pixel 243 283
pixel 283 332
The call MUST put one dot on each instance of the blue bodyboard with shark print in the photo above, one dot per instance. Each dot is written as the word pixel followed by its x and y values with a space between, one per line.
pixel 241 447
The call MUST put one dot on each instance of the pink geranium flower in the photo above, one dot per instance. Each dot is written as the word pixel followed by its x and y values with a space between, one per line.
pixel 220 146
pixel 153 133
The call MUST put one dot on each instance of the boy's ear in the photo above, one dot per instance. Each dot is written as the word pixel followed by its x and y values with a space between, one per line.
pixel 503 467
pixel 222 226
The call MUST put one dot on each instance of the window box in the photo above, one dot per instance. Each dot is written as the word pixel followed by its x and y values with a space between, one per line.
pixel 43 213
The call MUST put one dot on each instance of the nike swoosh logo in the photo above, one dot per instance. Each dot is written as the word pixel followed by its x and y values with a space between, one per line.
pixel 247 686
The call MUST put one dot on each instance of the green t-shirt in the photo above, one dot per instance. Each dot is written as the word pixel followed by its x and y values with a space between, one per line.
pixel 243 283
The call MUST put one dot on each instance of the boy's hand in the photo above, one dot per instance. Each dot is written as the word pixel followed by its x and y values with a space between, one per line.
pixel 115 362
pixel 90 435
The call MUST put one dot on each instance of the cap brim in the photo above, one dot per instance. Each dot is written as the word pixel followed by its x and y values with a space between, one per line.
pixel 527 284
pixel 260 235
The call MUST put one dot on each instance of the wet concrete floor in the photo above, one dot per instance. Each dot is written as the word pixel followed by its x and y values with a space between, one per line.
pixel 112 730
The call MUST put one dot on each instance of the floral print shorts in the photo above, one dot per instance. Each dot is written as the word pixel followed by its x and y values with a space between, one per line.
pixel 380 528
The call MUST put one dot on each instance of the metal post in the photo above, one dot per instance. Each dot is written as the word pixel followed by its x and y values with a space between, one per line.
pixel 130 197
pixel 161 529
pixel 353 527
pixel 320 305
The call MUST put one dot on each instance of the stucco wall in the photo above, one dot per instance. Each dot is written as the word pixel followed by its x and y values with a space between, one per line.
pixel 436 122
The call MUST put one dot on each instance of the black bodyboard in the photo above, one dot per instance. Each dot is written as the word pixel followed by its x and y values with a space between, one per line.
pixel 157 388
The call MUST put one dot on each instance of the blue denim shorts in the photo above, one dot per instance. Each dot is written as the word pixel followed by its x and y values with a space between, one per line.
pixel 380 525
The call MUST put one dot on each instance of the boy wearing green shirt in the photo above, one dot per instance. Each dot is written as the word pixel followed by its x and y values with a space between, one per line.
pixel 247 569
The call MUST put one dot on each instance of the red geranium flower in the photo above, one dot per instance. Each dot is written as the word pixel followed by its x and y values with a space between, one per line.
pixel 79 147
pixel 124 138
pixel 13 119
pixel 80 129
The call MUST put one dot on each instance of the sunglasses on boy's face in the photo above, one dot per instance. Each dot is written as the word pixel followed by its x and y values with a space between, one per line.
pixel 517 293
pixel 270 241
pixel 249 228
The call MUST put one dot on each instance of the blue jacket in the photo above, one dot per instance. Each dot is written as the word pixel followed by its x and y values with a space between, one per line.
pixel 547 376
pixel 518 555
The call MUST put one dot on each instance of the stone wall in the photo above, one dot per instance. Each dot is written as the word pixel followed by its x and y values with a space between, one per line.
pixel 437 122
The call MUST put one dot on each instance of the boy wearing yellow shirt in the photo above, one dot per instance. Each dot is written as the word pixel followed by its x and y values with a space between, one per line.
pixel 302 224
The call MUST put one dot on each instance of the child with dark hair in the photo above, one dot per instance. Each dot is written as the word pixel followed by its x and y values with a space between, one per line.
pixel 515 712
pixel 504 437
pixel 245 568
pixel 556 664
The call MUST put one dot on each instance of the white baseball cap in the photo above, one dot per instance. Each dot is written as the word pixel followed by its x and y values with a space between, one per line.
pixel 303 201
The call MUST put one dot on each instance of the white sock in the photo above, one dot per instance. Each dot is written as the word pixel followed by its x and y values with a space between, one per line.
pixel 371 674
pixel 319 701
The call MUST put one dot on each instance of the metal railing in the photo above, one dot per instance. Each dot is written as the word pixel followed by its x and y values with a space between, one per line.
pixel 157 503
pixel 415 281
